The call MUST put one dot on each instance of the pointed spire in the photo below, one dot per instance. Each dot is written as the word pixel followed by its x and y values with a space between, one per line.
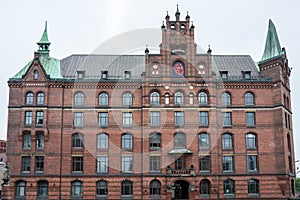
pixel 177 14
pixel 272 46
pixel 163 25
pixel 44 42
pixel 146 50
pixel 187 15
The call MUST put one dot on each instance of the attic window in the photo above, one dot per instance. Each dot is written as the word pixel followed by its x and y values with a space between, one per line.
pixel 104 74
pixel 80 74
pixel 182 26
pixel 247 75
pixel 127 74
pixel 35 74
pixel 172 26
pixel 224 74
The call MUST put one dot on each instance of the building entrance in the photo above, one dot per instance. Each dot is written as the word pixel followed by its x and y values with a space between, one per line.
pixel 181 191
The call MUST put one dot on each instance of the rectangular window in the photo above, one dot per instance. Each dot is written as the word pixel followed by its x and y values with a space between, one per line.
pixel 102 164
pixel 126 164
pixel 155 118
pixel 179 118
pixel 104 74
pixel 127 119
pixel 252 163
pixel 226 118
pixel 247 75
pixel 25 166
pixel 203 118
pixel 204 164
pixel 227 163
pixel 155 164
pixel 103 119
pixel 39 118
pixel 39 163
pixel 78 119
pixel 250 119
pixel 77 164
pixel 28 118
pixel 180 163
pixel 224 74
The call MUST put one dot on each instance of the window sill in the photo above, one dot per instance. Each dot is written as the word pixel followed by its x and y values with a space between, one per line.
pixel 228 171
pixel 103 126
pixel 252 171
pixel 77 172
pixel 204 195
pixel 204 172
pixel 250 126
pixel 227 126
pixel 155 172
pixel 229 196
pixel 154 148
pixel 25 172
pixel 254 195
pixel 39 172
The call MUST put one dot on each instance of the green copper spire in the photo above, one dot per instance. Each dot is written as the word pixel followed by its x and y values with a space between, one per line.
pixel 272 46
pixel 44 42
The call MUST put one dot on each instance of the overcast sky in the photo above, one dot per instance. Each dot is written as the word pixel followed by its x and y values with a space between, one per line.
pixel 79 27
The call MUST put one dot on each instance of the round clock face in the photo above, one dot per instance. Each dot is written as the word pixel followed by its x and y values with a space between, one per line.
pixel 201 66
pixel 178 69
pixel 155 66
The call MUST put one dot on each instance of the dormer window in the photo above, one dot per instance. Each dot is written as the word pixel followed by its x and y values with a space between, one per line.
pixel 80 74
pixel 173 26
pixel 247 75
pixel 35 74
pixel 224 74
pixel 104 74
pixel 127 74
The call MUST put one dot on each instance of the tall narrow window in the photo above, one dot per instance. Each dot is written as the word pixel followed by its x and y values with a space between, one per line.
pixel 127 141
pixel 155 141
pixel 250 119
pixel 226 118
pixel 26 141
pixel 76 189
pixel 203 118
pixel 25 165
pixel 249 99
pixel 205 188
pixel 29 98
pixel 191 99
pixel 154 118
pixel 103 119
pixel 79 99
pixel 155 164
pixel 126 189
pixel 204 141
pixel 179 140
pixel 126 164
pixel 39 164
pixel 228 187
pixel 35 74
pixel 250 141
pixel 40 140
pixel 127 119
pixel 103 99
pixel 253 187
pixel 101 188
pixel 228 164
pixel 40 98
pixel 226 99
pixel 202 98
pixel 102 141
pixel 42 189
pixel 39 118
pixel 227 141
pixel 20 189
pixel 178 98
pixel 154 98
pixel 180 163
pixel 167 99
pixel 102 164
pixel 127 99
pixel 28 118
pixel 78 119
pixel 155 187
pixel 252 163
pixel 77 164
pixel 179 118
pixel 204 164
pixel 77 140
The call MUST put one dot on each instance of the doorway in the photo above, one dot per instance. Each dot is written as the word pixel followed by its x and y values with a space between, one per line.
pixel 181 191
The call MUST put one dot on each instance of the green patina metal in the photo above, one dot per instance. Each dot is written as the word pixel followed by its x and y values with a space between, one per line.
pixel 272 46
pixel 50 65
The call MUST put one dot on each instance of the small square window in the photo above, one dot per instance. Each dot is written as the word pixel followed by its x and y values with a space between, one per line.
pixel 80 74
pixel 247 75
pixel 224 74
pixel 104 74
pixel 127 74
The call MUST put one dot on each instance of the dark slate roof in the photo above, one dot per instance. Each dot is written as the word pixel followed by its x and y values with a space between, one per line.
pixel 234 64
pixel 93 65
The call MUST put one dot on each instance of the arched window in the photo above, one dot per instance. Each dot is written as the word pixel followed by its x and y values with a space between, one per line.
pixel 27 140
pixel 155 141
pixel 40 140
pixel 191 98
pixel 226 99
pixel 79 99
pixel 103 99
pixel 77 140
pixel 102 141
pixel 101 188
pixel 178 98
pixel 20 189
pixel 29 98
pixel 179 140
pixel 253 186
pixel 42 189
pixel 251 141
pixel 227 141
pixel 205 188
pixel 76 189
pixel 127 141
pixel 35 74
pixel 127 99
pixel 228 186
pixel 126 189
pixel 249 99
pixel 203 141
pixel 167 99
pixel 202 98
pixel 154 98
pixel 40 98
pixel 155 187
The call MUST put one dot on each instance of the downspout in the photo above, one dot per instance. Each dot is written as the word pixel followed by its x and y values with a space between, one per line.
pixel 61 139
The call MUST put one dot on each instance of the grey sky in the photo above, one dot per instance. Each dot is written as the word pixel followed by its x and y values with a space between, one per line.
pixel 78 27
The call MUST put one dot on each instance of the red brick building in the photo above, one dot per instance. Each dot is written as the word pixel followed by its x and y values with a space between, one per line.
pixel 173 125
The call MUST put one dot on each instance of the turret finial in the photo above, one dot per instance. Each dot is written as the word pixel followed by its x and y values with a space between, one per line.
pixel 146 50
pixel 177 14
pixel 44 42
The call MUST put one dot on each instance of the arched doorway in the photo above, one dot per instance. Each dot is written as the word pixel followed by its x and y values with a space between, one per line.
pixel 181 190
